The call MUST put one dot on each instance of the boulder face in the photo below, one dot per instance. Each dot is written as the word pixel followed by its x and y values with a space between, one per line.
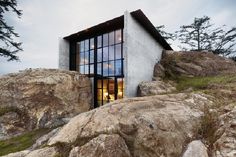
pixel 151 126
pixel 41 98
pixel 155 88
pixel 193 64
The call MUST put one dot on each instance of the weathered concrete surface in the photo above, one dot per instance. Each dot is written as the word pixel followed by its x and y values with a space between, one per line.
pixel 150 126
pixel 41 98
pixel 141 52
pixel 64 54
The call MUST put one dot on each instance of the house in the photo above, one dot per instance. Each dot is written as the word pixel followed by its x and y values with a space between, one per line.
pixel 117 55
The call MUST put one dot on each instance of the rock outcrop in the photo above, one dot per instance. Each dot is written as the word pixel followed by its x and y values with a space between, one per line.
pixel 41 98
pixel 155 88
pixel 193 64
pixel 225 146
pixel 150 126
pixel 196 149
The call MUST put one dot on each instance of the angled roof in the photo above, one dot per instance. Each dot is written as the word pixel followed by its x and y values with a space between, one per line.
pixel 117 23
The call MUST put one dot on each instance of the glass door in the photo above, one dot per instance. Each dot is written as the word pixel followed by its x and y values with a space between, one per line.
pixel 109 89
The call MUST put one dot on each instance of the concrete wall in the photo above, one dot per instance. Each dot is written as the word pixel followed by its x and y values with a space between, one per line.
pixel 64 49
pixel 141 52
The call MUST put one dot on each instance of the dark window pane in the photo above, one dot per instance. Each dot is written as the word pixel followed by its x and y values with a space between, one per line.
pixel 81 58
pixel 111 38
pixel 86 46
pixel 99 55
pixel 99 68
pixel 86 58
pixel 105 53
pixel 105 68
pixel 118 36
pixel 105 39
pixel 91 56
pixel 118 51
pixel 91 43
pixel 81 69
pixel 111 53
pixel 86 69
pixel 99 42
pixel 111 68
pixel 91 66
pixel 118 67
pixel 81 46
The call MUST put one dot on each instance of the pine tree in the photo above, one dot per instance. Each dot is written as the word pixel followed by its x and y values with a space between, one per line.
pixel 8 47
pixel 200 35
pixel 166 35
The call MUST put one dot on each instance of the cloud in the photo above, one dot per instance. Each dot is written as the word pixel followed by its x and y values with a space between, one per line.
pixel 44 21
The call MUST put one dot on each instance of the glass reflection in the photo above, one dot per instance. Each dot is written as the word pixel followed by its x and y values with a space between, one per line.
pixel 99 55
pixel 118 67
pixel 111 53
pixel 105 39
pixel 105 54
pixel 118 37
pixel 111 38
pixel 118 51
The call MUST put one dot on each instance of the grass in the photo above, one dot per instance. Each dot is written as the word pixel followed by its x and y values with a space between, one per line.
pixel 4 110
pixel 21 142
pixel 201 83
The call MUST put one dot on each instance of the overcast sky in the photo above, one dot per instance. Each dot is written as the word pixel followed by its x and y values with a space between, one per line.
pixel 44 21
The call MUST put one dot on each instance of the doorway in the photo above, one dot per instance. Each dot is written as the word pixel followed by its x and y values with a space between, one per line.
pixel 109 89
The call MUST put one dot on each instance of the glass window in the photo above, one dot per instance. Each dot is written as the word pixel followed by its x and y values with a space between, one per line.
pixel 86 69
pixel 105 39
pixel 91 67
pixel 81 46
pixel 81 69
pixel 111 53
pixel 81 58
pixel 111 38
pixel 105 68
pixel 99 94
pixel 91 56
pixel 86 45
pixel 118 67
pixel 111 68
pixel 99 83
pixel 91 43
pixel 118 51
pixel 99 68
pixel 99 41
pixel 86 58
pixel 105 54
pixel 99 55
pixel 118 36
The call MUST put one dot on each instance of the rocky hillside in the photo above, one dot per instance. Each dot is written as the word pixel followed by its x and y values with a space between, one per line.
pixel 188 110
pixel 41 98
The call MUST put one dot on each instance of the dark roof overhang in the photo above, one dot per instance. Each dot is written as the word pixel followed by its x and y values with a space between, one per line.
pixel 99 29
pixel 150 28
pixel 118 23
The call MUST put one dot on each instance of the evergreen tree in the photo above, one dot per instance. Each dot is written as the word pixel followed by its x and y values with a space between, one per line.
pixel 200 35
pixel 8 47
pixel 166 35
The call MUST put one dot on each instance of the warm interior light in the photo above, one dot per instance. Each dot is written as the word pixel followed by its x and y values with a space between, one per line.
pixel 120 93
pixel 106 94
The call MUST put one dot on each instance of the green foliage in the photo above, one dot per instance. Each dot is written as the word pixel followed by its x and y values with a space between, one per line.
pixel 8 47
pixel 200 83
pixel 21 142
pixel 4 110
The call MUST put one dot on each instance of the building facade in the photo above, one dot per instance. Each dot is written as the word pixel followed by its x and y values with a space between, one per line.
pixel 117 55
